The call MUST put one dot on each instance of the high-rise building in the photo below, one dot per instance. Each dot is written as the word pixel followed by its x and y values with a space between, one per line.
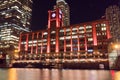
pixel 113 15
pixel 15 18
pixel 61 4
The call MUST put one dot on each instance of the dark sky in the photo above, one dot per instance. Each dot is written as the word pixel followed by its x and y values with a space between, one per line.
pixel 80 11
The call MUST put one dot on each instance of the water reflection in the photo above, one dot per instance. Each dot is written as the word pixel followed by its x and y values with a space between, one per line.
pixel 56 74
pixel 12 74
pixel 23 74
pixel 115 75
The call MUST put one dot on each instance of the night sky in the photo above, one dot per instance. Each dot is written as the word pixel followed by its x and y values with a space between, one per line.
pixel 80 11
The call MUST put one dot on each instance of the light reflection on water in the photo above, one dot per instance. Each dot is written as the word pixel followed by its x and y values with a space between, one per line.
pixel 115 75
pixel 55 74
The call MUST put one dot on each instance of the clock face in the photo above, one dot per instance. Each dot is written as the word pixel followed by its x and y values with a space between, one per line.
pixel 60 11
pixel 60 16
pixel 53 14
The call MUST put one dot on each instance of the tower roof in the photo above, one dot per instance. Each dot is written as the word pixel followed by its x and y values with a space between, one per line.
pixel 61 1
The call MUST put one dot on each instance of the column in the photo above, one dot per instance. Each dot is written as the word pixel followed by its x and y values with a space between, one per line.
pixel 32 43
pixel 26 47
pixel 78 39
pixel 94 34
pixel 42 43
pixel 49 19
pixel 108 30
pixel 57 40
pixel 64 39
pixel 85 38
pixel 57 18
pixel 48 41
pixel 37 43
pixel 95 49
pixel 71 40
pixel 19 48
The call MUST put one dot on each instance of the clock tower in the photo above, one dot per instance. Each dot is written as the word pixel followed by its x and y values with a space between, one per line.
pixel 54 18
pixel 54 24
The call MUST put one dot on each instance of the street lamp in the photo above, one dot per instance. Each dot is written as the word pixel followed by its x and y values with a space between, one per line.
pixel 16 56
pixel 113 54
pixel 117 47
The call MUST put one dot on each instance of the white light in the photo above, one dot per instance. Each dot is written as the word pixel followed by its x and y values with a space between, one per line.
pixel 74 36
pixel 53 32
pixel 67 30
pixel 90 50
pixel 45 33
pixel 81 27
pixel 61 38
pixel 53 15
pixel 74 29
pixel 68 37
pixel 54 42
pixel 61 30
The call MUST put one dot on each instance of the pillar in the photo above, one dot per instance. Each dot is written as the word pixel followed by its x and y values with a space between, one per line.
pixel 57 41
pixel 48 41
pixel 85 38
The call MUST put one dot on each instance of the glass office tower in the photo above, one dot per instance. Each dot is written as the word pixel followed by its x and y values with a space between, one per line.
pixel 15 18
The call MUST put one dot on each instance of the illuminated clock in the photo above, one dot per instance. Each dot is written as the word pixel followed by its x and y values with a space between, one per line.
pixel 53 15
pixel 60 16
pixel 60 11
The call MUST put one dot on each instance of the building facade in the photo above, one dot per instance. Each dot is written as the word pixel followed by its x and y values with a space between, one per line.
pixel 80 38
pixel 89 39
pixel 61 4
pixel 113 15
pixel 84 38
pixel 15 18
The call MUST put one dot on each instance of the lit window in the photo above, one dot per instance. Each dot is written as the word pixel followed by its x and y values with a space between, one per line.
pixel 18 17
pixel 103 24
pixel 81 27
pixel 69 45
pixel 53 32
pixel 61 38
pixel 34 41
pixel 103 28
pixel 90 50
pixel 52 39
pixel 16 7
pixel 44 40
pixel 23 43
pixel 81 31
pixel 81 36
pixel 89 35
pixel 89 30
pixel 74 32
pixel 68 37
pixel 74 36
pixel 45 33
pixel 54 42
pixel 98 34
pixel 61 30
pixel 90 39
pixel 98 25
pixel 67 30
pixel 74 29
pixel 88 26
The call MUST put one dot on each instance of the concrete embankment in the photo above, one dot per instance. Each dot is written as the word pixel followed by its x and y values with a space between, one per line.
pixel 66 65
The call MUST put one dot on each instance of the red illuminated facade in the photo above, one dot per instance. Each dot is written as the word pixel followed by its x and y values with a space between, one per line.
pixel 88 37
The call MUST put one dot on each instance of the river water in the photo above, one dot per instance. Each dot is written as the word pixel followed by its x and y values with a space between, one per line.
pixel 55 74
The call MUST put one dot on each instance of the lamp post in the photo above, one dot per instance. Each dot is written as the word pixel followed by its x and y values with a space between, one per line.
pixel 116 46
